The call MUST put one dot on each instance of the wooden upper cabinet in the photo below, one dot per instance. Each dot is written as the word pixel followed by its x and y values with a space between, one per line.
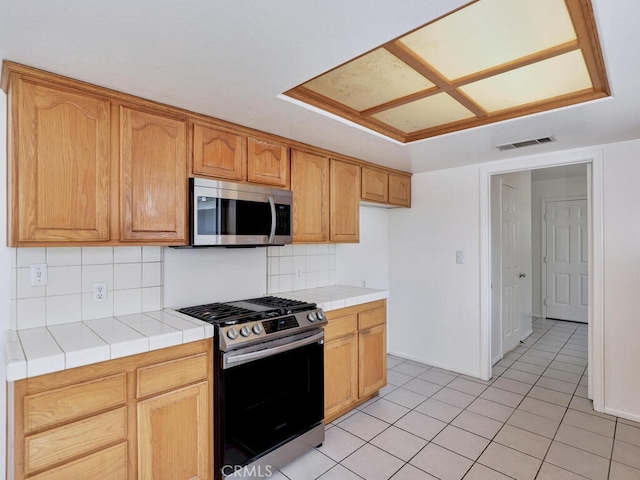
pixel 153 177
pixel 375 185
pixel 228 155
pixel 345 202
pixel 400 190
pixel 310 185
pixel 218 153
pixel 267 163
pixel 59 180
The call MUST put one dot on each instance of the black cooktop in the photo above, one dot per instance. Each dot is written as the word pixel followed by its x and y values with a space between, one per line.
pixel 230 313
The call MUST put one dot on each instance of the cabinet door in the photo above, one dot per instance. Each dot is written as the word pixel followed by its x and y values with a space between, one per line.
pixel 400 190
pixel 173 435
pixel 217 153
pixel 153 183
pixel 310 185
pixel 372 344
pixel 340 375
pixel 268 163
pixel 375 185
pixel 61 167
pixel 345 202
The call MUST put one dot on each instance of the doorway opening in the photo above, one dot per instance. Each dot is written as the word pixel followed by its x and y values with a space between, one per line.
pixel 590 291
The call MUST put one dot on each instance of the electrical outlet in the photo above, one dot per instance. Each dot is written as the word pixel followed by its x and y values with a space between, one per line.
pixel 298 273
pixel 99 292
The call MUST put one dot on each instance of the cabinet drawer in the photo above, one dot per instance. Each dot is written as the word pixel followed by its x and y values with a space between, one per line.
pixel 69 441
pixel 339 327
pixel 175 373
pixel 108 464
pixel 371 318
pixel 75 401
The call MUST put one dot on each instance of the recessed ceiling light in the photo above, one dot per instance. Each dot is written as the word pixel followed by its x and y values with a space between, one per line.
pixel 488 61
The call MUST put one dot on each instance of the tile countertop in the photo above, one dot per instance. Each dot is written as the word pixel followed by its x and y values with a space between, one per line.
pixel 336 296
pixel 37 351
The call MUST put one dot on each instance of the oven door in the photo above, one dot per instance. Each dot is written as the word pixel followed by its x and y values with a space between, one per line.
pixel 270 394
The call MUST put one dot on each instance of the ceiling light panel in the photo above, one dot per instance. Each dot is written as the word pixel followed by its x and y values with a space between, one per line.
pixel 543 80
pixel 425 113
pixel 370 80
pixel 488 61
pixel 490 33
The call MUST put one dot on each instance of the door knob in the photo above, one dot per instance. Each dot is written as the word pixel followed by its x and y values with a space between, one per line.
pixel 522 275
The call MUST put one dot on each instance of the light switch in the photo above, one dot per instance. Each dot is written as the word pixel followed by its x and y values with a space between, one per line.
pixel 460 256
pixel 39 275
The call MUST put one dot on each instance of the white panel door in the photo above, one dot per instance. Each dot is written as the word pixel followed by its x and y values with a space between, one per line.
pixel 567 260
pixel 511 269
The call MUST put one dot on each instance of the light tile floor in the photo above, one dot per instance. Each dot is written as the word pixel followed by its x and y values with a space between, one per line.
pixel 531 420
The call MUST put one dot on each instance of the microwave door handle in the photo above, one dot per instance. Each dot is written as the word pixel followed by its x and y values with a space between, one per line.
pixel 272 234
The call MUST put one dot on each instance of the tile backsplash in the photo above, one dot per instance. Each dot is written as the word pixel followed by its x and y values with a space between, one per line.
pixel 298 267
pixel 133 276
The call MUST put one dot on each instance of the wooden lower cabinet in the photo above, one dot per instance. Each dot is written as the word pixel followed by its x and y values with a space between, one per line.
pixel 340 374
pixel 184 452
pixel 355 357
pixel 146 417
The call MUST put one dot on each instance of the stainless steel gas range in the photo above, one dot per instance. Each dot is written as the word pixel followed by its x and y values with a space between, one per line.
pixel 269 382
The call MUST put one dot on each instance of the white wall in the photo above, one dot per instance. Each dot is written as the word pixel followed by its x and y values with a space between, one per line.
pixel 545 189
pixel 434 307
pixel 622 278
pixel 367 261
pixel 5 283
pixel 435 303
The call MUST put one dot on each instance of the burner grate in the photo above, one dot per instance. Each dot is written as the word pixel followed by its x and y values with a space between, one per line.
pixel 215 312
pixel 232 313
pixel 281 303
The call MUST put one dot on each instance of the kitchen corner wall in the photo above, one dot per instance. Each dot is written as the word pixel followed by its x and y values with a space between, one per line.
pixel 133 276
pixel 298 267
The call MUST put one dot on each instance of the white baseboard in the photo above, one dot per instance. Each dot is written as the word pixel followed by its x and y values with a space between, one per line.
pixel 626 415
pixel 426 361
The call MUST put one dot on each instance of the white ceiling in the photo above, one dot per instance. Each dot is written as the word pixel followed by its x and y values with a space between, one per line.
pixel 231 59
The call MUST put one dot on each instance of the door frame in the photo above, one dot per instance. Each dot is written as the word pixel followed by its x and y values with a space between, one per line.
pixel 543 245
pixel 594 159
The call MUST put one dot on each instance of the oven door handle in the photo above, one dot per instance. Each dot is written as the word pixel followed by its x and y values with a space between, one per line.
pixel 231 360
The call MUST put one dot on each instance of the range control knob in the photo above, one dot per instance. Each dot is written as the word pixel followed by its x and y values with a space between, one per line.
pixel 312 317
pixel 320 315
pixel 232 333
pixel 244 331
pixel 257 329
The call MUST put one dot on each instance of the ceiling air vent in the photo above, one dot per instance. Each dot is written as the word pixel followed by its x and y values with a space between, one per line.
pixel 525 143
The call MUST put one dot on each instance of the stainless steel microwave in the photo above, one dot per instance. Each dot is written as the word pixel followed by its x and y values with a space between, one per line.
pixel 235 214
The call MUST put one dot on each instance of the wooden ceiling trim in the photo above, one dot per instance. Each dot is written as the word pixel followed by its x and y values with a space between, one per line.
pixel 407 55
pixel 581 13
